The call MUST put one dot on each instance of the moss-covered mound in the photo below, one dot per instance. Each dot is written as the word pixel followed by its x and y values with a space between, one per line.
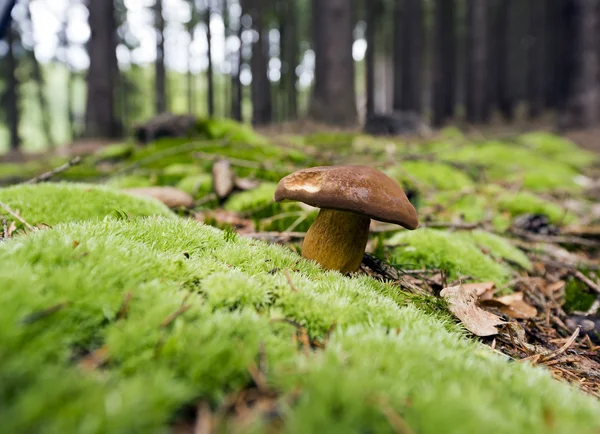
pixel 201 306
pixel 53 203
pixel 455 253
pixel 430 175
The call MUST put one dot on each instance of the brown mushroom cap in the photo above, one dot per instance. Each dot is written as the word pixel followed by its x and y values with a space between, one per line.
pixel 359 189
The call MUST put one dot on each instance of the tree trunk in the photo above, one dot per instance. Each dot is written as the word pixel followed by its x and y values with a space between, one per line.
pixel 477 66
pixel 551 52
pixel 583 108
pixel 209 73
pixel 536 71
pixel 444 62
pixel 291 50
pixel 502 31
pixel 397 55
pixel 12 91
pixel 370 57
pixel 410 56
pixel 160 71
pixel 101 78
pixel 236 85
pixel 191 90
pixel 334 96
pixel 261 87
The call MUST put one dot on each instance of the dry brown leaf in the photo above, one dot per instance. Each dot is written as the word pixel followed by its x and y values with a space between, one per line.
pixel 232 218
pixel 514 306
pixel 483 290
pixel 554 287
pixel 170 196
pixel 223 178
pixel 463 304
pixel 246 183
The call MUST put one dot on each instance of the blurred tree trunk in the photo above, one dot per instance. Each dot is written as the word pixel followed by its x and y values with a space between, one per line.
pixel 38 78
pixel 444 62
pixel 261 87
pixel 226 88
pixel 551 52
pixel 236 85
pixel 191 89
pixel 583 108
pixel 501 32
pixel 11 97
pixel 334 96
pixel 477 62
pixel 370 18
pixel 101 78
pixel 160 71
pixel 209 73
pixel 409 35
pixel 536 67
pixel 565 65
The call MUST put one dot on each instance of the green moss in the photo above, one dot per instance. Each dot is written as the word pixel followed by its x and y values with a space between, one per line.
pixel 500 247
pixel 449 205
pixel 525 203
pixel 130 181
pixel 577 296
pixel 252 200
pixel 382 353
pixel 115 152
pixel 558 148
pixel 53 203
pixel 509 162
pixel 196 185
pixel 231 130
pixel 453 252
pixel 24 171
pixel 431 174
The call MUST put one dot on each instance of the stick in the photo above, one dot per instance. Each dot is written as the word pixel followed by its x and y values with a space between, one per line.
pixel 47 175
pixel 17 216
pixel 589 282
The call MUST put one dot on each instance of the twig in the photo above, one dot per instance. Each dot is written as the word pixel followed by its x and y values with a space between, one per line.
pixel 17 216
pixel 35 316
pixel 564 348
pixel 275 236
pixel 289 279
pixel 593 310
pixel 47 175
pixel 589 282
pixel 125 305
pixel 169 319
pixel 559 239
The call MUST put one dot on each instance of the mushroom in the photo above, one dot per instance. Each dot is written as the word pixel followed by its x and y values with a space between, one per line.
pixel 348 198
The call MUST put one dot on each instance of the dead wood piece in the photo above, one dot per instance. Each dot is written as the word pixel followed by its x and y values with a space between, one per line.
pixel 47 175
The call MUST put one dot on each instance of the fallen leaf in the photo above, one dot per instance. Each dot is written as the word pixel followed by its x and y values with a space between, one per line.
pixel 223 178
pixel 484 290
pixel 554 287
pixel 232 218
pixel 170 196
pixel 513 305
pixel 246 183
pixel 463 304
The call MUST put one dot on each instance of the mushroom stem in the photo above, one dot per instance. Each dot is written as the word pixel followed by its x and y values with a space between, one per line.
pixel 337 240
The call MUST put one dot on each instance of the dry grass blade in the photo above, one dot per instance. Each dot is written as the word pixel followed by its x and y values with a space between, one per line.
pixel 172 317
pixel 36 316
pixel 289 280
pixel 17 216
pixel 589 282
pixel 125 305
pixel 95 359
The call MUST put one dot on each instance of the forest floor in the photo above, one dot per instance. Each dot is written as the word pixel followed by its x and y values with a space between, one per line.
pixel 162 280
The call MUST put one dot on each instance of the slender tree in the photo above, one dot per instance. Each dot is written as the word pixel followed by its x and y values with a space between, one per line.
pixel 370 13
pixel 160 79
pixel 261 87
pixel 536 67
pixel 477 58
pixel 501 31
pixel 583 109
pixel 551 51
pixel 408 55
pixel 236 84
pixel 291 55
pixel 444 62
pixel 209 73
pixel 334 96
pixel 190 82
pixel 11 96
pixel 101 78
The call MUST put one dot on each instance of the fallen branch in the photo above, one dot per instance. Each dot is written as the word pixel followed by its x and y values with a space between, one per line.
pixel 558 239
pixel 589 282
pixel 17 216
pixel 47 175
